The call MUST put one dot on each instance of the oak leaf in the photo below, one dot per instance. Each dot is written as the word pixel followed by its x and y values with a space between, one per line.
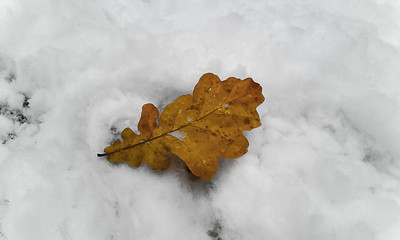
pixel 197 128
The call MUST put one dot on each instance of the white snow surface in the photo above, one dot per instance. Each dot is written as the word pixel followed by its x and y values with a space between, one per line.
pixel 178 134
pixel 324 164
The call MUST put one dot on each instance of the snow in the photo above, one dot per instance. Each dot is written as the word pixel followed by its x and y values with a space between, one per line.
pixel 178 134
pixel 323 165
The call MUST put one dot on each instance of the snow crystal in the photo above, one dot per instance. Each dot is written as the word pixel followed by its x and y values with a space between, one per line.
pixel 178 134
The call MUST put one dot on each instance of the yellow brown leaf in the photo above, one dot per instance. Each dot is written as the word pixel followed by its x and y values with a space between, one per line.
pixel 198 128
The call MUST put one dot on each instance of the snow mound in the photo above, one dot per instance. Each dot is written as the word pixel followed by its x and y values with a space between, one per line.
pixel 323 165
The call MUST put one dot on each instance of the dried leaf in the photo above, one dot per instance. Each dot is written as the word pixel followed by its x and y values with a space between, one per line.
pixel 198 128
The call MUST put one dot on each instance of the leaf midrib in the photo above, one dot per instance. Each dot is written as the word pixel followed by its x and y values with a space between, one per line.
pixel 173 130
pixel 159 136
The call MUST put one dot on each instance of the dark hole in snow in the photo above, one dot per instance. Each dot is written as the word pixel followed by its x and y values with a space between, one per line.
pixel 25 104
pixel 9 136
pixel 215 231
pixel 14 115
pixel 115 134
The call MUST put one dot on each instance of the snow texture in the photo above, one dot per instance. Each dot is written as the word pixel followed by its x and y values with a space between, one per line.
pixel 178 134
pixel 323 165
